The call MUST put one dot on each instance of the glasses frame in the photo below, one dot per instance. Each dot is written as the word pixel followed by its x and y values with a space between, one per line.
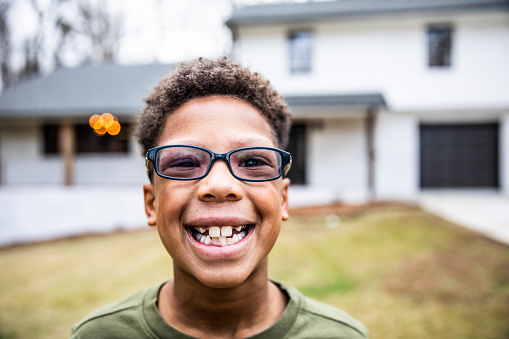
pixel 286 161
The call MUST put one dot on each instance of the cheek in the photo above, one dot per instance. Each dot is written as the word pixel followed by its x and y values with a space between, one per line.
pixel 172 197
pixel 170 205
pixel 273 198
pixel 268 204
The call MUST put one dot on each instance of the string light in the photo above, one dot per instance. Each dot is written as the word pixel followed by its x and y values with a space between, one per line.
pixel 104 123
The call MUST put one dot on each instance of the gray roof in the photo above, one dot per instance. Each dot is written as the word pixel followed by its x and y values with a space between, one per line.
pixel 80 92
pixel 329 10
pixel 77 92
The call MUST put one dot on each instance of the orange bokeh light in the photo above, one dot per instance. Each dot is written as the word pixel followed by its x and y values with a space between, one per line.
pixel 104 123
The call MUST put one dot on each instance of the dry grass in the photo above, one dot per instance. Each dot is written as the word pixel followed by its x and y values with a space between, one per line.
pixel 402 272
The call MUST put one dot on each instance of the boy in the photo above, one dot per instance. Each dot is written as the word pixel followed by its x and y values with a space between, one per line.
pixel 213 131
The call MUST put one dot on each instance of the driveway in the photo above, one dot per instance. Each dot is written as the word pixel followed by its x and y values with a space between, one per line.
pixel 483 211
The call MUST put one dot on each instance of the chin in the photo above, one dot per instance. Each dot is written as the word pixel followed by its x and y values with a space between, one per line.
pixel 223 281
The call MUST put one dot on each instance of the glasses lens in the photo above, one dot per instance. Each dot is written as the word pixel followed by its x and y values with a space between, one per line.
pixel 182 162
pixel 256 164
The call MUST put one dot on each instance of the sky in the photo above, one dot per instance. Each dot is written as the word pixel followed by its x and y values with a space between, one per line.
pixel 169 31
pixel 160 31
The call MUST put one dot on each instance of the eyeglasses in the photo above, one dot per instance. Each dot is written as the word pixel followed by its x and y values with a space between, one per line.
pixel 185 162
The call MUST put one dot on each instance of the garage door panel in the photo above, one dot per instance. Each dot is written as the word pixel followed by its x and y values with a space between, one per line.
pixel 459 155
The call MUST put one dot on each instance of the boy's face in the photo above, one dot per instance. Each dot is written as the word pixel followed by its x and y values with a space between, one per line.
pixel 178 208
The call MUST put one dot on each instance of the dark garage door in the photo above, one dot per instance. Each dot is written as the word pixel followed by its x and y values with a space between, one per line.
pixel 459 155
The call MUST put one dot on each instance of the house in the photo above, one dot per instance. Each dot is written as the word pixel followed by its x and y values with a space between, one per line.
pixel 45 135
pixel 390 98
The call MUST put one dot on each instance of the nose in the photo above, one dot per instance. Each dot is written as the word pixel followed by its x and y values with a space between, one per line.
pixel 219 185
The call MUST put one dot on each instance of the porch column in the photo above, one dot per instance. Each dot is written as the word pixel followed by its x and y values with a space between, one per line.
pixel 370 142
pixel 66 145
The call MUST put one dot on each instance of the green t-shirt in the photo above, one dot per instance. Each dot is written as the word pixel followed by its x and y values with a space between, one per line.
pixel 137 317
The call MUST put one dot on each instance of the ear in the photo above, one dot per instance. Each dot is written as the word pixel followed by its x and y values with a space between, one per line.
pixel 284 199
pixel 150 203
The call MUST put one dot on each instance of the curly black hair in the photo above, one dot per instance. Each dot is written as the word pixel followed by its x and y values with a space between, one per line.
pixel 204 77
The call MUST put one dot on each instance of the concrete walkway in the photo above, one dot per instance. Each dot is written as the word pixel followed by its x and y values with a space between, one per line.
pixel 482 211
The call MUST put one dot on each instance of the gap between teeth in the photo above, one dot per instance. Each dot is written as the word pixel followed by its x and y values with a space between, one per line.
pixel 220 236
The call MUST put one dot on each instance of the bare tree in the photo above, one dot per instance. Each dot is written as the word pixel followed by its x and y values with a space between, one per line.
pixel 101 28
pixel 5 45
pixel 32 48
pixel 82 30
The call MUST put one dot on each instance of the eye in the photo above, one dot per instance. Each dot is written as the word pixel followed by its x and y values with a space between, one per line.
pixel 183 163
pixel 253 162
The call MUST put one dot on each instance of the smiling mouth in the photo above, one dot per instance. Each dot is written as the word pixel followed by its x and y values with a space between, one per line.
pixel 220 235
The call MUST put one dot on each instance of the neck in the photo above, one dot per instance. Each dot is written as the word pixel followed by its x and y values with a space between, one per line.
pixel 241 311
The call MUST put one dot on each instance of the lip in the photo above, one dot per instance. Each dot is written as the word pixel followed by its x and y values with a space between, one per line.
pixel 217 252
pixel 218 221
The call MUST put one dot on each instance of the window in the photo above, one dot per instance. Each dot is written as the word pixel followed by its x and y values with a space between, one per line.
pixel 439 45
pixel 297 147
pixel 86 141
pixel 300 51
pixel 50 132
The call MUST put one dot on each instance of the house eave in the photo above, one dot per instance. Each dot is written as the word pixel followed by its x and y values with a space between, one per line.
pixel 335 105
pixel 323 11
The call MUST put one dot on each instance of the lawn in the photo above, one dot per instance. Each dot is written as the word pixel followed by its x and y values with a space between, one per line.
pixel 402 272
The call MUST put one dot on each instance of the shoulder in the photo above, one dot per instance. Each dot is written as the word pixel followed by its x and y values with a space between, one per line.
pixel 334 318
pixel 319 320
pixel 122 319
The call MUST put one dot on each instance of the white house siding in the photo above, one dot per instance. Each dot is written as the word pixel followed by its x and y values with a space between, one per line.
pixel 23 161
pixel 397 159
pixel 337 159
pixel 388 55
pixel 111 168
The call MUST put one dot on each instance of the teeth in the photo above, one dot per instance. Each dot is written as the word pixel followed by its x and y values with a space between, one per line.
pixel 226 231
pixel 214 232
pixel 220 236
pixel 222 240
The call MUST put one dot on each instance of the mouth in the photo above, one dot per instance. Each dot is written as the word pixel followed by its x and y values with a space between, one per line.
pixel 220 235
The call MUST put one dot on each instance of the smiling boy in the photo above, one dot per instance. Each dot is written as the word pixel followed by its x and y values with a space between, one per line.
pixel 213 132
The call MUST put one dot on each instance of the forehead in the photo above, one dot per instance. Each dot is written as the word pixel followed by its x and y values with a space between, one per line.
pixel 217 121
